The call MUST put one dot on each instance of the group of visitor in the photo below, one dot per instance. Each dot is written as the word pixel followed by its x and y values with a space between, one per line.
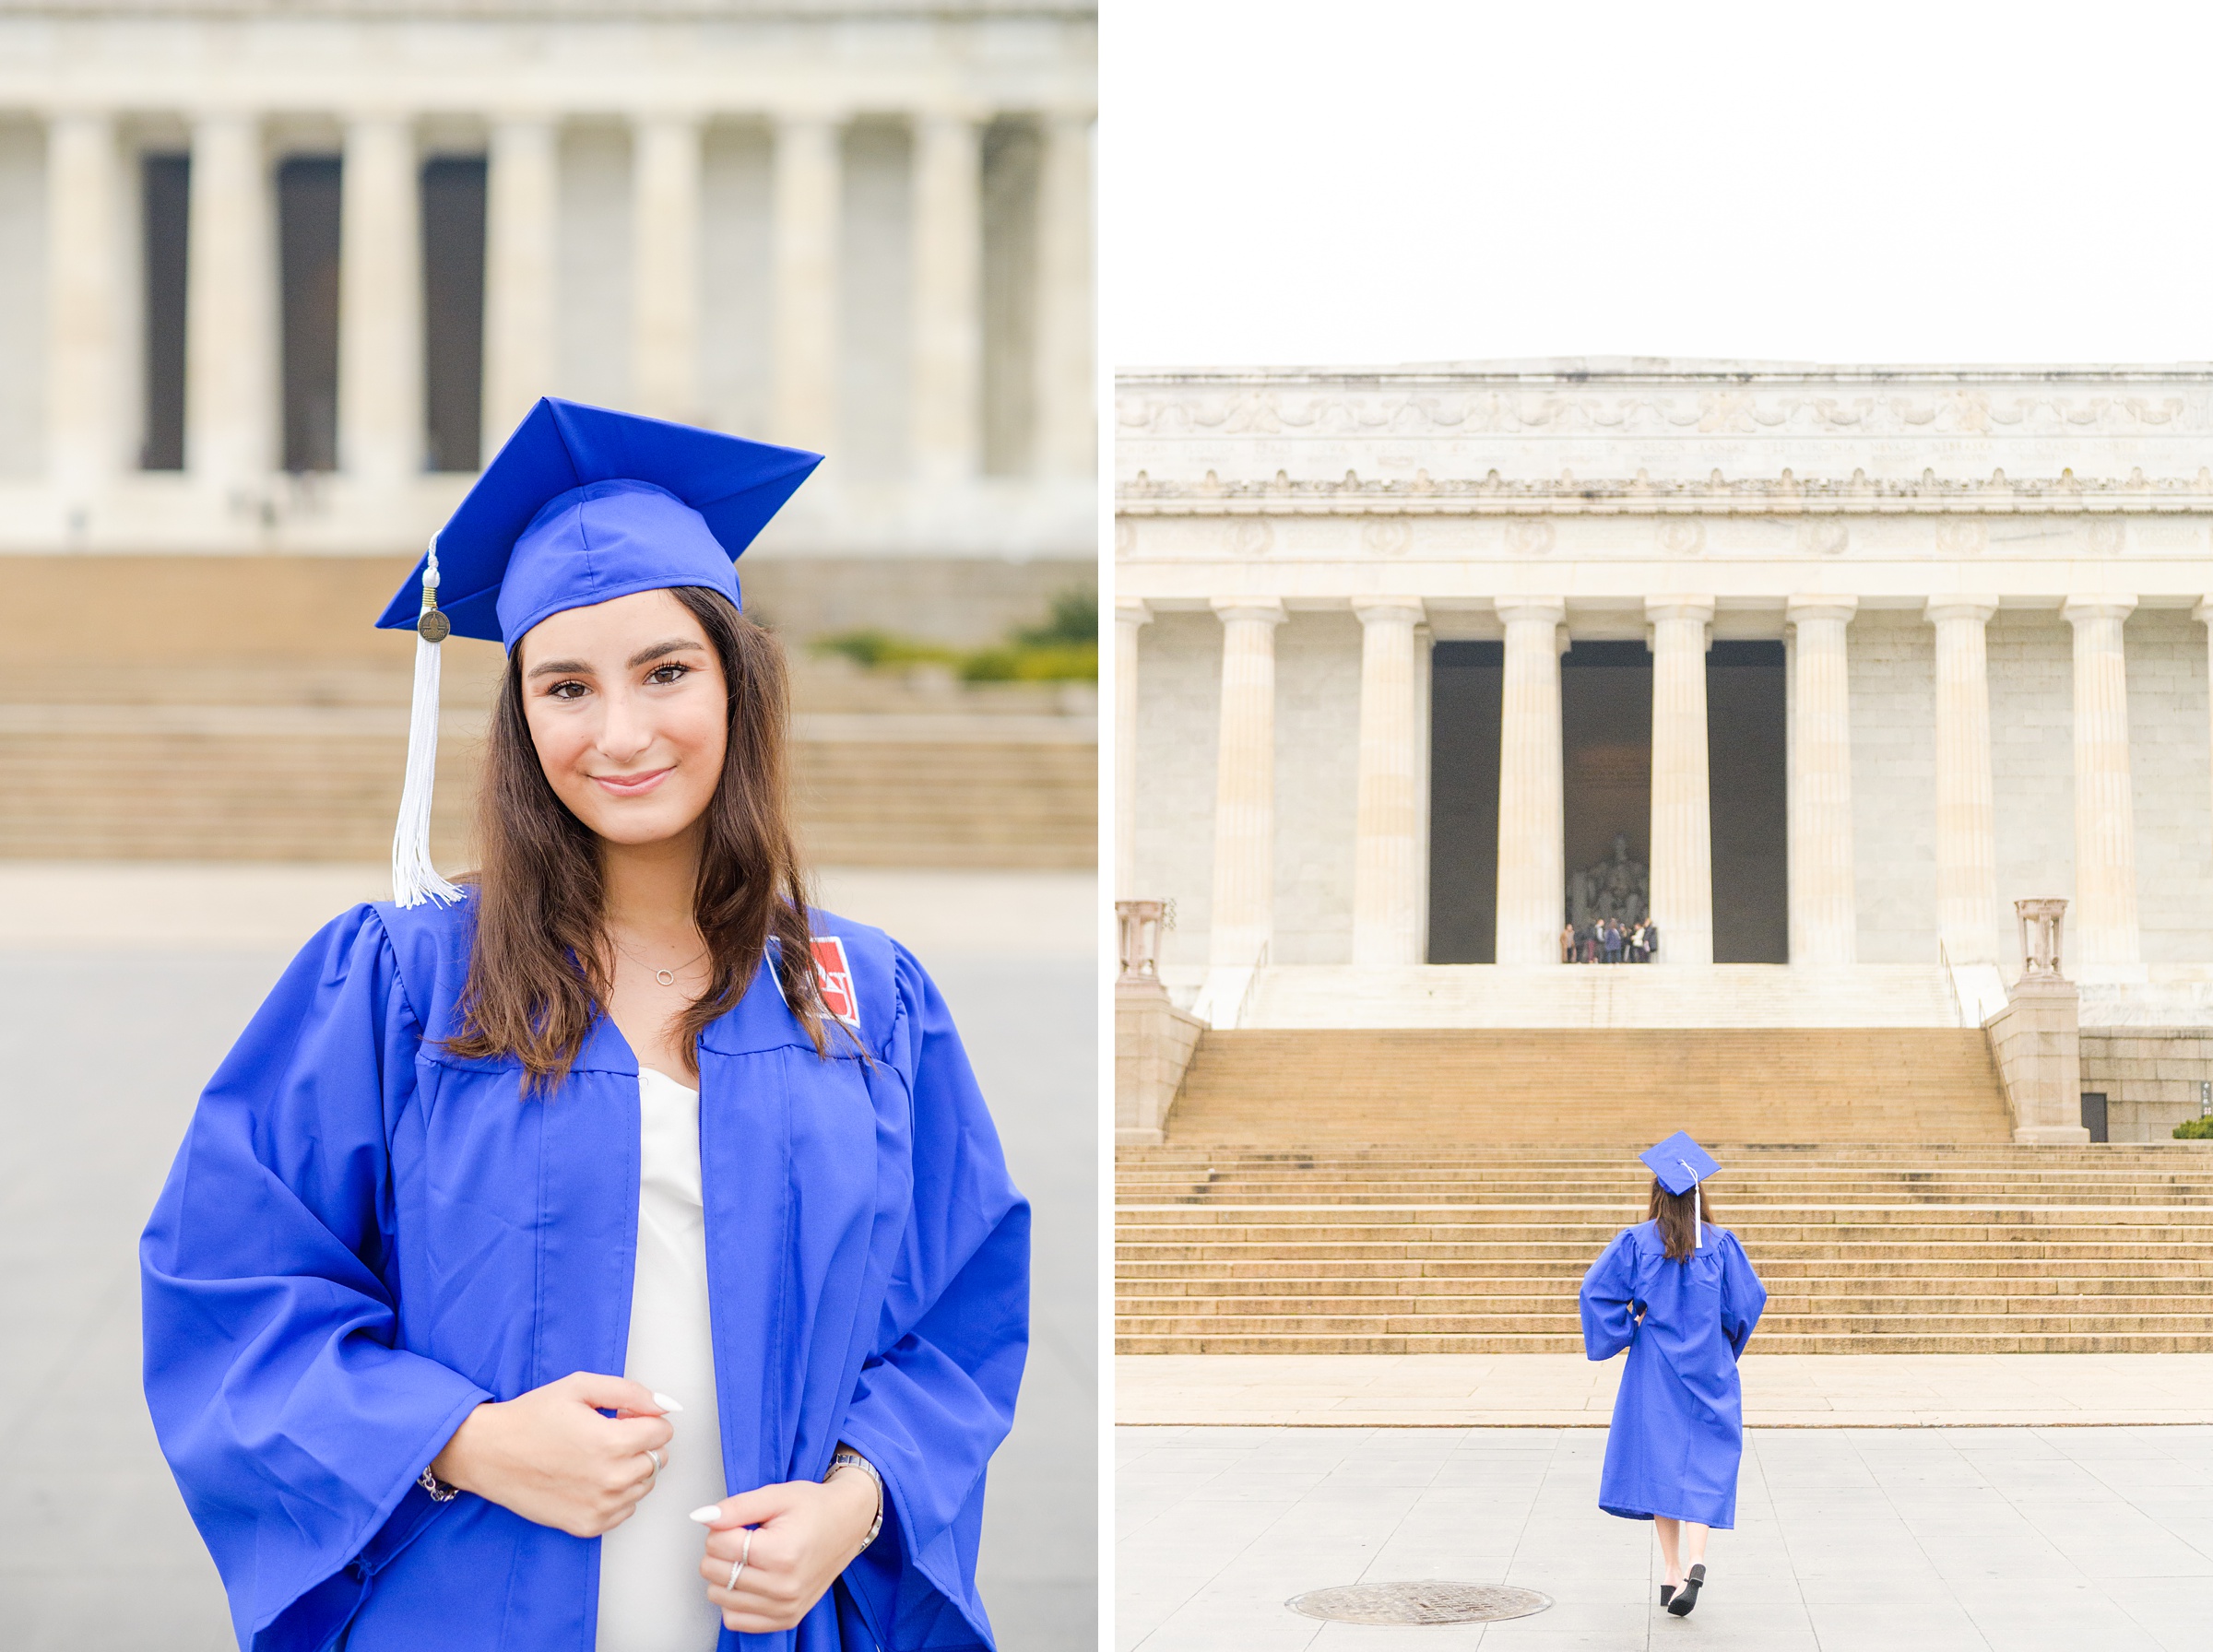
pixel 1607 940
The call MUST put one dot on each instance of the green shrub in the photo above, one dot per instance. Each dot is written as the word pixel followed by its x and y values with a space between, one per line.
pixel 1065 649
pixel 2194 1130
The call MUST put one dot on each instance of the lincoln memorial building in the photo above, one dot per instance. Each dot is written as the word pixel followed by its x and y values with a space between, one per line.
pixel 1822 670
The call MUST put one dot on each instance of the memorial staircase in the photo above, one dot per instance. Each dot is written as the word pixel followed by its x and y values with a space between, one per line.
pixel 1425 1191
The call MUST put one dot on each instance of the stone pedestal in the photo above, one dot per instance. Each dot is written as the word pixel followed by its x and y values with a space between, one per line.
pixel 2037 1043
pixel 1153 1044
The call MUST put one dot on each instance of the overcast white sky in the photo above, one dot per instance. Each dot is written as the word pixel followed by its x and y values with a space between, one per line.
pixel 1385 180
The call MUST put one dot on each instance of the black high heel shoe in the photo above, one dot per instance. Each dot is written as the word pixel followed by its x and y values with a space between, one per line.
pixel 1667 1593
pixel 1687 1596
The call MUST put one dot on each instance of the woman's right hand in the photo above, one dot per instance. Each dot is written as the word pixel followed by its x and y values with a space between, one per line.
pixel 551 1457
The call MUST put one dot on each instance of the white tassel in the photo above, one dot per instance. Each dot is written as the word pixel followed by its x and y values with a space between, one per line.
pixel 414 880
pixel 1697 1213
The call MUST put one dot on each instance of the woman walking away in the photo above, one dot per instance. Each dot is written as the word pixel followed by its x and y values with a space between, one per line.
pixel 1679 1294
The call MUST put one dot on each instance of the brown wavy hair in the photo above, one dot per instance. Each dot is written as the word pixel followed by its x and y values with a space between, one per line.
pixel 537 971
pixel 1672 1211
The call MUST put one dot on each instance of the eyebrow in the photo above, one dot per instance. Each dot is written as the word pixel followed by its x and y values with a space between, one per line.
pixel 644 656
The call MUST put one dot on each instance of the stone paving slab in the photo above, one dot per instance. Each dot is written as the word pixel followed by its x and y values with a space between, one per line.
pixel 1564 1390
pixel 2005 1540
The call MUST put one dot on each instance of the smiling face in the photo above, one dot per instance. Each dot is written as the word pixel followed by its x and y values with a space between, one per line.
pixel 630 713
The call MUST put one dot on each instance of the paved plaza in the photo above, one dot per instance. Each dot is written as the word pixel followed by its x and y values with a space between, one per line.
pixel 1993 1539
pixel 105 1043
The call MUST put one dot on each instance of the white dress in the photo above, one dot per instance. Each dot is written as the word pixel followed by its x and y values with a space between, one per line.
pixel 652 1597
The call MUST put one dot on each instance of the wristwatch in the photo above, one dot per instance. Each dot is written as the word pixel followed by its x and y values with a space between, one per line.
pixel 846 1458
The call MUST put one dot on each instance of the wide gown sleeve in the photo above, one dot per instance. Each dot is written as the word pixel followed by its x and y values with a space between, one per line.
pixel 1608 1301
pixel 293 1424
pixel 937 1398
pixel 1744 1298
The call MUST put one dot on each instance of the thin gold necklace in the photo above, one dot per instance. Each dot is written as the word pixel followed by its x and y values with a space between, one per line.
pixel 666 977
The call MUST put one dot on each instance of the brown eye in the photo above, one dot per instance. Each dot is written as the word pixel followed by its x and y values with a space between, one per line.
pixel 566 691
pixel 669 674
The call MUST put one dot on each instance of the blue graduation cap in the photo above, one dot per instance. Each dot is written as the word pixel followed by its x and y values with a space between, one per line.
pixel 581 505
pixel 1681 1164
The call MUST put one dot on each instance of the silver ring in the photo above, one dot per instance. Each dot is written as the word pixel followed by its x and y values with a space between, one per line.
pixel 658 1462
pixel 738 1565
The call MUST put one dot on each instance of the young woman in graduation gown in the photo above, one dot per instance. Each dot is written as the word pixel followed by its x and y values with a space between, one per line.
pixel 620 1172
pixel 1680 1294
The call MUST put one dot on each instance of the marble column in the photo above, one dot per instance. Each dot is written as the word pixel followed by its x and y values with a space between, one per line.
pixel 84 347
pixel 948 431
pixel 807 199
pixel 521 253
pixel 1682 802
pixel 1968 920
pixel 1386 852
pixel 2103 927
pixel 665 267
pixel 1130 616
pixel 1533 877
pixel 1244 900
pixel 231 387
pixel 1067 417
pixel 381 416
pixel 2203 614
pixel 1824 905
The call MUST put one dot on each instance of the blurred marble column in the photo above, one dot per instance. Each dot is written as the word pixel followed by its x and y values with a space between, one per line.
pixel 381 418
pixel 1387 838
pixel 665 270
pixel 2203 614
pixel 521 252
pixel 1067 419
pixel 230 365
pixel 1682 800
pixel 1532 878
pixel 2105 913
pixel 84 345
pixel 1968 921
pixel 807 200
pixel 1824 907
pixel 1244 894
pixel 1130 616
pixel 948 435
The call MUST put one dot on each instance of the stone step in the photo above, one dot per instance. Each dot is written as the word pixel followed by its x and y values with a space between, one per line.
pixel 1507 1323
pixel 1852 1342
pixel 1896 1273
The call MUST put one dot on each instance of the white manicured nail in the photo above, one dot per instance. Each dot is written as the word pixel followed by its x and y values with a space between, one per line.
pixel 709 1514
pixel 665 1403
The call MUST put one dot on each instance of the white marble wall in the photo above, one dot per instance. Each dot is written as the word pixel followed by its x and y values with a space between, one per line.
pixel 2168 758
pixel 2032 757
pixel 1178 706
pixel 1317 786
pixel 1893 665
pixel 22 300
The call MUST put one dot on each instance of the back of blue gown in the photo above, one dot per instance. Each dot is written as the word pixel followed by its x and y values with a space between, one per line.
pixel 1678 1429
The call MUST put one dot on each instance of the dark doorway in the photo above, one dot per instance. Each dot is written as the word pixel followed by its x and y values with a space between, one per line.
pixel 1606 774
pixel 165 200
pixel 307 233
pixel 453 312
pixel 2093 1115
pixel 1747 770
pixel 1467 686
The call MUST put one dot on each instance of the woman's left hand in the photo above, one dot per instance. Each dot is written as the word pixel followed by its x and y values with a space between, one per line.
pixel 802 1535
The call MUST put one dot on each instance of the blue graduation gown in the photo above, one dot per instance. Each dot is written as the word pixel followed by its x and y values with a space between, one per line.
pixel 1679 1428
pixel 363 1237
